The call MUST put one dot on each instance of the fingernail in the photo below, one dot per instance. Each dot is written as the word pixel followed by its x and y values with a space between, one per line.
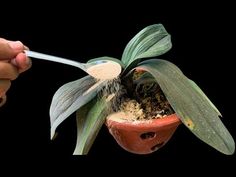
pixel 2 100
pixel 17 45
pixel 13 61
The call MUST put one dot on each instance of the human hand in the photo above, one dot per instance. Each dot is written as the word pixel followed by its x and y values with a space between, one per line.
pixel 12 62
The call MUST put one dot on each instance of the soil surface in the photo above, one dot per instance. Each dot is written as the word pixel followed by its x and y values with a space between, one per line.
pixel 147 102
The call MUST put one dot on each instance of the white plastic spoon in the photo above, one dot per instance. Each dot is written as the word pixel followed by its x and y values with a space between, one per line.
pixel 102 69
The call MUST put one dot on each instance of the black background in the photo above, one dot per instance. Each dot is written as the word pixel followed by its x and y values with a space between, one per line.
pixel 203 47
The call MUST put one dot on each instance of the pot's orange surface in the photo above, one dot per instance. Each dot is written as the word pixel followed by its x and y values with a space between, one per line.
pixel 143 137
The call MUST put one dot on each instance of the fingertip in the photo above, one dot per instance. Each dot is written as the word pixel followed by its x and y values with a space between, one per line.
pixel 17 46
pixel 22 62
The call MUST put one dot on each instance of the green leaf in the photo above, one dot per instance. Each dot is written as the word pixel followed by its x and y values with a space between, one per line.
pixel 195 86
pixel 90 119
pixel 152 41
pixel 71 97
pixel 192 106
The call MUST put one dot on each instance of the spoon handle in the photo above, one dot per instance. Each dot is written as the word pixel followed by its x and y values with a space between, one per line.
pixel 54 59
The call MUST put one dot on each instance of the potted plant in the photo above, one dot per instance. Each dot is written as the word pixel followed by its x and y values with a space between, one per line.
pixel 144 121
pixel 148 94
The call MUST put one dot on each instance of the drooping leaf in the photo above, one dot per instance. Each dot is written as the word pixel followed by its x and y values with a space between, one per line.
pixel 195 86
pixel 192 106
pixel 90 119
pixel 71 97
pixel 152 41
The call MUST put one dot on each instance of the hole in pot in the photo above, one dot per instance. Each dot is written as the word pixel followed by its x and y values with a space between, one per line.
pixel 157 146
pixel 148 135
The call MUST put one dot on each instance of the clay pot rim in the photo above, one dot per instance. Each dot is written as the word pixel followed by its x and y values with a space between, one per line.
pixel 167 121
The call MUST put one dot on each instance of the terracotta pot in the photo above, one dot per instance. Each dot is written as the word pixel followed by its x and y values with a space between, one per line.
pixel 143 137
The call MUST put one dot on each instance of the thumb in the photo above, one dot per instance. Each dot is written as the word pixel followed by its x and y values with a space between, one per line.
pixel 9 49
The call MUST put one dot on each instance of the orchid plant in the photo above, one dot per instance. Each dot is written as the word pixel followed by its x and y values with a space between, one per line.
pixel 85 96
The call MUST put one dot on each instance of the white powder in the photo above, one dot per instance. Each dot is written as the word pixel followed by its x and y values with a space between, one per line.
pixel 126 117
pixel 120 116
pixel 108 70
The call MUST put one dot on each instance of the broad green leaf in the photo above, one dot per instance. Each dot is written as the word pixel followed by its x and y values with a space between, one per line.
pixel 195 86
pixel 90 119
pixel 192 106
pixel 152 41
pixel 108 58
pixel 71 97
